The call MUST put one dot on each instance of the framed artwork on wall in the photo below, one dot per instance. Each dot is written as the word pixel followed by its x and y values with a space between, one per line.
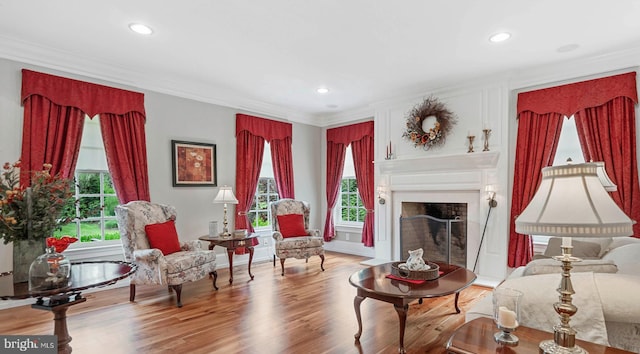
pixel 194 164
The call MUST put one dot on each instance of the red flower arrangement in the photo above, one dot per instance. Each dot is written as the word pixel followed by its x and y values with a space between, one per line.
pixel 60 244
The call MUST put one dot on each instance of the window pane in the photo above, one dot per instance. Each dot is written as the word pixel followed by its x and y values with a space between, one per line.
pixel 271 182
pixel 110 204
pixel 89 207
pixel 67 230
pixel 262 185
pixel 111 231
pixel 344 185
pixel 108 184
pixel 89 183
pixel 90 231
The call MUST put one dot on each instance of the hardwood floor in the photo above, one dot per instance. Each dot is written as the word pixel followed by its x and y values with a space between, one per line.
pixel 306 311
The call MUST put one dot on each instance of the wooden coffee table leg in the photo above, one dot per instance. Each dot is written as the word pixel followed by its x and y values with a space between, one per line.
pixel 230 251
pixel 402 316
pixel 456 302
pixel 250 259
pixel 356 305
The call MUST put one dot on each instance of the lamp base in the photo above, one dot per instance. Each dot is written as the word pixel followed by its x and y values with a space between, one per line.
pixel 551 347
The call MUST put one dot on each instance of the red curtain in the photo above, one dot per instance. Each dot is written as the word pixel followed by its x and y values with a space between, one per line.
pixel 51 134
pixel 362 151
pixel 279 136
pixel 534 151
pixel 54 117
pixel 335 166
pixel 126 149
pixel 537 141
pixel 608 133
pixel 249 150
pixel 337 141
pixel 282 161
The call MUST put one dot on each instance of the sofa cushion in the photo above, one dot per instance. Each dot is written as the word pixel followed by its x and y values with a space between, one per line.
pixel 163 236
pixel 582 247
pixel 291 225
pixel 546 266
pixel 626 257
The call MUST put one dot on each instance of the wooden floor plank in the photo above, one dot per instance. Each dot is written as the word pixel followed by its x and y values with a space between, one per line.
pixel 306 311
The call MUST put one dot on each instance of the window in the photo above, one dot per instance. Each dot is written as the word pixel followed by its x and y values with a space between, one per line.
pixel 351 210
pixel 266 192
pixel 94 210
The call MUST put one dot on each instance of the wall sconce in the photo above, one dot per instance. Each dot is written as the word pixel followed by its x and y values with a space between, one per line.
pixel 491 195
pixel 381 194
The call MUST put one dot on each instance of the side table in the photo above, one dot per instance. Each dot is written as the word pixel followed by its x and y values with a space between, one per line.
pixel 476 336
pixel 231 243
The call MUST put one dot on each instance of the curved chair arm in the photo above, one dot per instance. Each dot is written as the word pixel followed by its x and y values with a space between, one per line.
pixel 313 232
pixel 149 255
pixel 152 267
pixel 191 245
pixel 277 236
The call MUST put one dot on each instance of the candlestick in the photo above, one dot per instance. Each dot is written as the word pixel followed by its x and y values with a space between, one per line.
pixel 487 133
pixel 471 137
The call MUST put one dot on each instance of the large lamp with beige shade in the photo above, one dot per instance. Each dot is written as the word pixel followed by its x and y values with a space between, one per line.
pixel 571 202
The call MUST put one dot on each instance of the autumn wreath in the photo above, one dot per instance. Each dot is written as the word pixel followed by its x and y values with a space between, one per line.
pixel 428 123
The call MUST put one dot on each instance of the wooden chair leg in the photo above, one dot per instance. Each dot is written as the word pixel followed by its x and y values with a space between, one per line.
pixel 132 292
pixel 322 262
pixel 178 290
pixel 282 265
pixel 274 260
pixel 215 277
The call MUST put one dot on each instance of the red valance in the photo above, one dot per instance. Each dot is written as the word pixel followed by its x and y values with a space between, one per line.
pixel 266 128
pixel 91 98
pixel 568 99
pixel 348 133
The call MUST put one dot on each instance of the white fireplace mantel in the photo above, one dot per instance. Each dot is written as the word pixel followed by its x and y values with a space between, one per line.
pixel 440 163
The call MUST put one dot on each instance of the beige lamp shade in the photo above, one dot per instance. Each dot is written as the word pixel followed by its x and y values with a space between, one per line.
pixel 608 185
pixel 572 202
pixel 225 195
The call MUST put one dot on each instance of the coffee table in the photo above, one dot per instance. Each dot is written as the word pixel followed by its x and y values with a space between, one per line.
pixel 372 283
pixel 84 275
pixel 231 243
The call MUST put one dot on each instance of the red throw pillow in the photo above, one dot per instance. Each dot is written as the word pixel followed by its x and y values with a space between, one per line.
pixel 291 225
pixel 163 236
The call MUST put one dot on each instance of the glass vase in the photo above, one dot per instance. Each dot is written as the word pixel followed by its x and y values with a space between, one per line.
pixel 50 271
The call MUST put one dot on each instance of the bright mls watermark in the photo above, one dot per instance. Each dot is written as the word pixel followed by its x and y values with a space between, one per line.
pixel 44 344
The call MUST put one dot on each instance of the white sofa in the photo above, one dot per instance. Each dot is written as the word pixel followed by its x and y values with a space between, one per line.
pixel 607 285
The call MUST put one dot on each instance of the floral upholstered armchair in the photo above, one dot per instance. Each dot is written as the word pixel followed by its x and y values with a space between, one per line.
pixel 143 224
pixel 293 238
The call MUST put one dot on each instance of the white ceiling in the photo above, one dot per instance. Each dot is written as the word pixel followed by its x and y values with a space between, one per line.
pixel 271 55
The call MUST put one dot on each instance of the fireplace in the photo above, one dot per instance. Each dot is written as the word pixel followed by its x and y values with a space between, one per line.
pixel 440 229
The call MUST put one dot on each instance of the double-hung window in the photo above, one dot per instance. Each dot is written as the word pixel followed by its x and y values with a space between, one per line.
pixel 350 210
pixel 266 193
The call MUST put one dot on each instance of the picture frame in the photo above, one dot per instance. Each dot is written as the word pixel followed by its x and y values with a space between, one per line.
pixel 194 164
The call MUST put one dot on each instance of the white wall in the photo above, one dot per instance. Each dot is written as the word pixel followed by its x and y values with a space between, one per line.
pixel 170 117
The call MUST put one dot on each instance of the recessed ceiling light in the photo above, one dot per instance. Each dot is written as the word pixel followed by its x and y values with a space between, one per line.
pixel 140 28
pixel 322 90
pixel 500 37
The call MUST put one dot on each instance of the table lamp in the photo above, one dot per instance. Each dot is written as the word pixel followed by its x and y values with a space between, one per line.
pixel 571 202
pixel 225 196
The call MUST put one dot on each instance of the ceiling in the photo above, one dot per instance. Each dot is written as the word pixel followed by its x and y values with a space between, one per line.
pixel 271 55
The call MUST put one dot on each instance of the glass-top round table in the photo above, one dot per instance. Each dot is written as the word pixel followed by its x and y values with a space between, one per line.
pixel 84 275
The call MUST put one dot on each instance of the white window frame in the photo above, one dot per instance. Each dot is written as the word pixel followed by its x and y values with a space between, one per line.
pixel 269 193
pixel 346 225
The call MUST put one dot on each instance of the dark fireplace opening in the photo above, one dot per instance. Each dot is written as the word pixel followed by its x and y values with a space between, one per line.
pixel 440 229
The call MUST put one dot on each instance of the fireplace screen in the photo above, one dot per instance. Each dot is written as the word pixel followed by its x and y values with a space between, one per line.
pixel 440 229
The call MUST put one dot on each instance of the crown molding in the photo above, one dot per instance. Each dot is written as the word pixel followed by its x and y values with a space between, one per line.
pixel 97 69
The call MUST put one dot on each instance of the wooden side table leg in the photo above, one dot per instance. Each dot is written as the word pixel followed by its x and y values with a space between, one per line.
pixel 402 317
pixel 456 302
pixel 356 305
pixel 250 260
pixel 230 251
